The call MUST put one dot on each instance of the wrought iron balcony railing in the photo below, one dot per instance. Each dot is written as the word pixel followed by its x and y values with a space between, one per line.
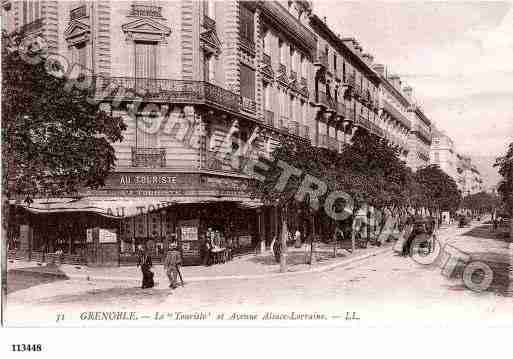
pixel 220 161
pixel 165 90
pixel 248 44
pixel 78 13
pixel 282 73
pixel 247 104
pixel 148 157
pixel 208 23
pixel 267 59
pixel 146 10
pixel 269 118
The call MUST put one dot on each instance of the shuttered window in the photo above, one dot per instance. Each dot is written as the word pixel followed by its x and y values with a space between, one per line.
pixel 246 24
pixel 247 82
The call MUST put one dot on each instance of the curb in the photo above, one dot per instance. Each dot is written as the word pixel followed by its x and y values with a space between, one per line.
pixel 317 269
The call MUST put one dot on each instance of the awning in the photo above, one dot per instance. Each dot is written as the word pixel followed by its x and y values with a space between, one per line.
pixel 125 207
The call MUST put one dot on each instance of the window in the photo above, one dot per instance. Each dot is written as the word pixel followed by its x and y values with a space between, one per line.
pixel 302 67
pixel 292 59
pixel 247 82
pixel 267 97
pixel 344 71
pixel 144 137
pixel 335 62
pixel 146 60
pixel 209 7
pixel 246 24
pixel 79 54
pixel 437 157
pixel 209 68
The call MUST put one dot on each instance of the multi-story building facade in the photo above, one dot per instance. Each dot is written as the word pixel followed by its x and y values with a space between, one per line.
pixel 419 139
pixel 469 178
pixel 201 85
pixel 394 106
pixel 443 153
pixel 346 91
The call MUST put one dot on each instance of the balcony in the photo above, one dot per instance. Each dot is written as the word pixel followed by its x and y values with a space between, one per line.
pixel 247 105
pixel 248 45
pixel 294 128
pixel 365 123
pixel 267 69
pixel 78 13
pixel 269 118
pixel 283 123
pixel 167 91
pixel 208 23
pixel 282 73
pixel 220 161
pixel 148 157
pixel 146 11
pixel 293 75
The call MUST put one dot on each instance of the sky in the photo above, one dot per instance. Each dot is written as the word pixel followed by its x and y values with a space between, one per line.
pixel 458 57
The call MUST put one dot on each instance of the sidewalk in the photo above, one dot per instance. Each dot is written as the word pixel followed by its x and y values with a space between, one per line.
pixel 249 266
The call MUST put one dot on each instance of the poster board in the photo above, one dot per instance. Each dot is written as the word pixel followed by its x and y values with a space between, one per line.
pixel 188 236
pixel 107 235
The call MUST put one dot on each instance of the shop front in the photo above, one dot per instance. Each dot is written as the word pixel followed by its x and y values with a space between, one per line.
pixel 110 225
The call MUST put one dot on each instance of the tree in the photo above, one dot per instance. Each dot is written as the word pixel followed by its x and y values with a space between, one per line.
pixel 54 140
pixel 505 189
pixel 480 202
pixel 439 190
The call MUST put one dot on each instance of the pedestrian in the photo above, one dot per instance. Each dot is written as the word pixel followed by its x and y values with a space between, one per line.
pixel 172 263
pixel 145 263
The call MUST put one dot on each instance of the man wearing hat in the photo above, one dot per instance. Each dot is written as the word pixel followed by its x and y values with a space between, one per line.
pixel 172 261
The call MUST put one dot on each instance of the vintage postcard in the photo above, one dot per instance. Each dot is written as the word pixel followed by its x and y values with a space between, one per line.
pixel 257 163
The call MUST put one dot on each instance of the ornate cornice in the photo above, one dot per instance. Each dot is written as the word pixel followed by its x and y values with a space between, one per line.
pixel 146 29
pixel 276 15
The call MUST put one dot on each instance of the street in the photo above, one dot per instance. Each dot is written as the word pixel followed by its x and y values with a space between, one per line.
pixel 386 288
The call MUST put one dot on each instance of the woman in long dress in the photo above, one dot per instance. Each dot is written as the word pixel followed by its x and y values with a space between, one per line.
pixel 145 263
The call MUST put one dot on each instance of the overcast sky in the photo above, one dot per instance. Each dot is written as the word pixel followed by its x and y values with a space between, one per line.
pixel 457 55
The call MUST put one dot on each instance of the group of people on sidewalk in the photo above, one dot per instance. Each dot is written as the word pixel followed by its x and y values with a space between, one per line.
pixel 172 264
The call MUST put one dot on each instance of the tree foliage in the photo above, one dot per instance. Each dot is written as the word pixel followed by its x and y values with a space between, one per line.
pixel 439 190
pixel 505 167
pixel 54 140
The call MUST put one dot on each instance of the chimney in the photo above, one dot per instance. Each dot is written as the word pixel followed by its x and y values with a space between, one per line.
pixel 395 81
pixel 368 58
pixel 379 68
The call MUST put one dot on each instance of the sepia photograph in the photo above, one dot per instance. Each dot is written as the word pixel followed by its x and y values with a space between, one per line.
pixel 221 163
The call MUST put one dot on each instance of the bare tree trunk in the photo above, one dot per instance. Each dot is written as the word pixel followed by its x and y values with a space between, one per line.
pixel 5 225
pixel 283 241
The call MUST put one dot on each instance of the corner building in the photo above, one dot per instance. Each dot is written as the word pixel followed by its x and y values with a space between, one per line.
pixel 202 87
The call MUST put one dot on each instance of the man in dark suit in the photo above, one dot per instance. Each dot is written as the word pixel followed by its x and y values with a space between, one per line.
pixel 172 262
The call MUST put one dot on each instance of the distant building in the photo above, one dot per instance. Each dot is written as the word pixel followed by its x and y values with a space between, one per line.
pixel 443 153
pixel 469 178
